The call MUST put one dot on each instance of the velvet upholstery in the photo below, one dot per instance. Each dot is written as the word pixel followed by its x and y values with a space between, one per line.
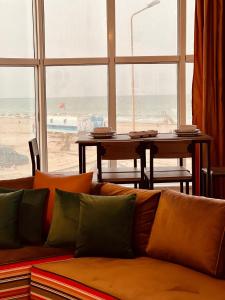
pixel 26 253
pixel 9 219
pixel 64 225
pixel 31 214
pixel 145 208
pixel 72 183
pixel 105 226
pixel 18 183
pixel 189 230
pixel 128 279
pixel 142 278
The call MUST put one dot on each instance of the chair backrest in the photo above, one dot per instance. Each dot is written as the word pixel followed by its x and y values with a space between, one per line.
pixel 120 150
pixel 123 150
pixel 35 155
pixel 172 149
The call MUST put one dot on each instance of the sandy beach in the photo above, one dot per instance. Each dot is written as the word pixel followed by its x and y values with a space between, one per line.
pixel 15 131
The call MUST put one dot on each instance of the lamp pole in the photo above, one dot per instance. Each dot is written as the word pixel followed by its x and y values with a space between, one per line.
pixel 151 4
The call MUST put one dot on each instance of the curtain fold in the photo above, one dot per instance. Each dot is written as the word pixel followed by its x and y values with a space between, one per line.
pixel 208 99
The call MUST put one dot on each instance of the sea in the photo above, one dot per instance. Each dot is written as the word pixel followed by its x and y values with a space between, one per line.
pixel 160 109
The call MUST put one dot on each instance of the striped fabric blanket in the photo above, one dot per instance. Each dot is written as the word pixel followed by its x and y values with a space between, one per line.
pixel 15 277
pixel 47 285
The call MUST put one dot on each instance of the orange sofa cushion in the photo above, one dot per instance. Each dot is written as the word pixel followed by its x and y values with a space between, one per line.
pixel 145 208
pixel 73 183
pixel 189 230
pixel 18 183
pixel 142 278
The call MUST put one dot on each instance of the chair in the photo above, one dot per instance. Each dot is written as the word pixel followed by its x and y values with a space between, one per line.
pixel 35 159
pixel 169 150
pixel 214 187
pixel 123 150
pixel 35 155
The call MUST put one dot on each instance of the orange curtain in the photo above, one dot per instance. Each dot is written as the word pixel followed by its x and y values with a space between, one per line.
pixel 209 74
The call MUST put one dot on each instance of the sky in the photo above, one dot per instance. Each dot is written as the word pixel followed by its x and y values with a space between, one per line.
pixel 77 28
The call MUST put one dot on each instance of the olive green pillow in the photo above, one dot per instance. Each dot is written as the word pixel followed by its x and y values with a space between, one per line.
pixel 31 215
pixel 9 219
pixel 105 226
pixel 64 225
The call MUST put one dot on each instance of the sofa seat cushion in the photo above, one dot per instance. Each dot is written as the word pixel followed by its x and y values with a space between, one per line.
pixel 15 266
pixel 127 279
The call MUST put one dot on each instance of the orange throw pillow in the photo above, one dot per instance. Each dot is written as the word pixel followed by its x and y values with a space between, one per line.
pixel 73 183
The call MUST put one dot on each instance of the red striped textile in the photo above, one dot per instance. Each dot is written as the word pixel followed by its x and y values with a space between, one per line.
pixel 15 278
pixel 46 285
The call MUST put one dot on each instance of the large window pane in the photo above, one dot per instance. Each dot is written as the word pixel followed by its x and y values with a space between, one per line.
pixel 189 78
pixel 16 28
pixel 145 30
pixel 150 99
pixel 17 121
pixel 75 28
pixel 190 26
pixel 76 103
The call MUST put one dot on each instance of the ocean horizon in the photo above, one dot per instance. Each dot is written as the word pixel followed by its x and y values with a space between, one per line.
pixel 152 109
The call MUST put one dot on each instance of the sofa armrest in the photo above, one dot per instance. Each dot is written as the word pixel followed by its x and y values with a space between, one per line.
pixel 18 183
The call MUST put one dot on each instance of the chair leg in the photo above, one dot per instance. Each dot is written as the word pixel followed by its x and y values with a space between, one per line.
pixel 181 187
pixel 203 184
pixel 187 188
pixel 135 185
pixel 146 183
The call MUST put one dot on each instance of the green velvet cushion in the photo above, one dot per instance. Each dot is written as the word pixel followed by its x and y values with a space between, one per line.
pixel 9 218
pixel 64 225
pixel 105 226
pixel 31 215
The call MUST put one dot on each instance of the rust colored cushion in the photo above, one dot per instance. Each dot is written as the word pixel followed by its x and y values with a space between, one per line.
pixel 11 256
pixel 189 230
pixel 73 183
pixel 145 208
pixel 18 183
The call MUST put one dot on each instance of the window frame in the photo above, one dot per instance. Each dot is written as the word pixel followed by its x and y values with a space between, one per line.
pixel 40 62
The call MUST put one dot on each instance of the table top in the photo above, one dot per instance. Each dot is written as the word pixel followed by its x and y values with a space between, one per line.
pixel 87 139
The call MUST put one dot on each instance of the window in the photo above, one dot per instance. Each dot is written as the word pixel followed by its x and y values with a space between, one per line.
pixel 17 120
pixel 76 102
pixel 16 28
pixel 189 77
pixel 75 28
pixel 67 66
pixel 140 28
pixel 150 100
pixel 190 26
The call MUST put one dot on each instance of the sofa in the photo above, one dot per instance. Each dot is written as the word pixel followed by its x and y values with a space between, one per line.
pixel 182 266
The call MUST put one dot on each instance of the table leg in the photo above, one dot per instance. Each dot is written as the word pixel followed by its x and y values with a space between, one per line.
pixel 200 171
pixel 151 176
pixel 84 158
pixel 193 169
pixel 99 163
pixel 209 169
pixel 80 153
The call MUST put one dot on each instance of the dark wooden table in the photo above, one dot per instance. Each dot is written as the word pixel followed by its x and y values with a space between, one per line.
pixel 203 139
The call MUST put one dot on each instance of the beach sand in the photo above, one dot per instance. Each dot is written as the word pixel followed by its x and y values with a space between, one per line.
pixel 16 131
